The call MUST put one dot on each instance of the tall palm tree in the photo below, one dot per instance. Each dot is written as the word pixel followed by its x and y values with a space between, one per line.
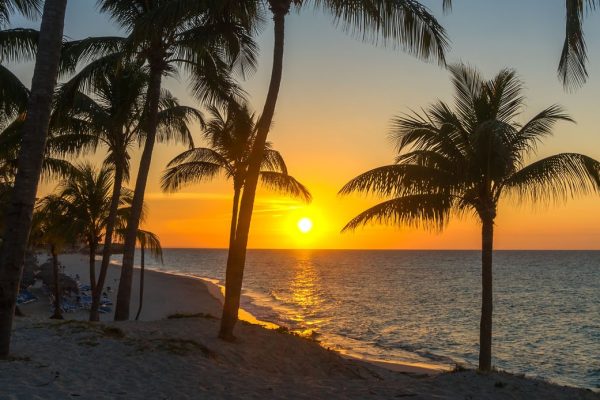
pixel 206 41
pixel 35 130
pixel 403 23
pixel 463 160
pixel 231 137
pixel 572 68
pixel 104 105
pixel 52 226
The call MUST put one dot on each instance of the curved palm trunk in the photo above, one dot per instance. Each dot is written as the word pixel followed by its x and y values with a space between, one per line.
pixel 33 143
pixel 93 247
pixel 236 258
pixel 126 281
pixel 142 263
pixel 57 313
pixel 234 215
pixel 485 328
pixel 111 221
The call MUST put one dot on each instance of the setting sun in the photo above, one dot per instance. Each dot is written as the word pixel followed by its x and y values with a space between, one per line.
pixel 305 225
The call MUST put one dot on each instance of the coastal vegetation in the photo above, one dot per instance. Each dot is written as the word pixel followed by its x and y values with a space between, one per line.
pixel 461 160
pixel 109 94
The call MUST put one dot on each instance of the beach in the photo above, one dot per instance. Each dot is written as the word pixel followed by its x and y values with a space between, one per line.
pixel 180 357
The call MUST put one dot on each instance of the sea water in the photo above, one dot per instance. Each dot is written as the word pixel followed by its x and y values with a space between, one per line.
pixel 424 306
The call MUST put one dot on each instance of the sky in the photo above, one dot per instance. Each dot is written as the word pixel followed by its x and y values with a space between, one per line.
pixel 337 98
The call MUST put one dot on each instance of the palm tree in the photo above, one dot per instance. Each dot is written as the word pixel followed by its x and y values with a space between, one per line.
pixel 463 160
pixel 35 130
pixel 207 41
pixel 572 68
pixel 150 241
pixel 112 115
pixel 52 226
pixel 403 23
pixel 231 137
pixel 86 197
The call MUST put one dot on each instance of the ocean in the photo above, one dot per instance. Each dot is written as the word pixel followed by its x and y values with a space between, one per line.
pixel 424 306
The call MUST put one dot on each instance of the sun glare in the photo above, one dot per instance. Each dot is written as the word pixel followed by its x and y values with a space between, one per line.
pixel 305 225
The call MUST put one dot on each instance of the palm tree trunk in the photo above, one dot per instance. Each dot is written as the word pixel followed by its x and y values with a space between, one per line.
pixel 111 221
pixel 234 215
pixel 57 313
pixel 126 281
pixel 485 328
pixel 236 258
pixel 92 255
pixel 33 143
pixel 139 311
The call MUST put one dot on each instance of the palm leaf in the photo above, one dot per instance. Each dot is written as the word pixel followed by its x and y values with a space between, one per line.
pixel 285 184
pixel 555 179
pixel 430 211
pixel 188 173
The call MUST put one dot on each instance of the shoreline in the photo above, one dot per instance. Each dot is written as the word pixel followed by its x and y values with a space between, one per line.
pixel 216 291
pixel 168 293
pixel 186 360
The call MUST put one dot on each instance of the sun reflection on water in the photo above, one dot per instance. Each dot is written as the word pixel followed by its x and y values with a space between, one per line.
pixel 305 291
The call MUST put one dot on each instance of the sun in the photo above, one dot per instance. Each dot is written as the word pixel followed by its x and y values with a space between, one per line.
pixel 305 225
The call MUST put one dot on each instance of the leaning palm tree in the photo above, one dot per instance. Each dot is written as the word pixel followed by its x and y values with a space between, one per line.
pixel 35 131
pixel 103 104
pixel 572 69
pixel 402 23
pixel 207 41
pixel 463 160
pixel 53 227
pixel 231 137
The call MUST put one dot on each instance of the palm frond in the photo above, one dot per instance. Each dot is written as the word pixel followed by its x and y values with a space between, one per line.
pixel 87 50
pixel 419 211
pixel 188 173
pixel 572 70
pixel 400 180
pixel 150 241
pixel 402 23
pixel 14 95
pixel 19 44
pixel 539 127
pixel 555 179
pixel 28 8
pixel 285 184
pixel 273 161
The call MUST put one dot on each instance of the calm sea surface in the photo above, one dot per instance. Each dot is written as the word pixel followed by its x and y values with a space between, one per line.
pixel 423 306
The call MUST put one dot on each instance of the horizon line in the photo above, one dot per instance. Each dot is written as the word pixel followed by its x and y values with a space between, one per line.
pixel 370 249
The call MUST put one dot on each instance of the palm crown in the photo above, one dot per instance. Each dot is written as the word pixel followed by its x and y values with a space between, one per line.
pixel 464 159
pixel 231 136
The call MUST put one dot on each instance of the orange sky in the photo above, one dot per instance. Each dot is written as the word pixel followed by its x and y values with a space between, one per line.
pixel 337 98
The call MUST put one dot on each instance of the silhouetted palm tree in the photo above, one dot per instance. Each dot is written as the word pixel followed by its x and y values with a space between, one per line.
pixel 53 227
pixel 86 197
pixel 572 68
pixel 231 137
pixel 463 160
pixel 111 113
pixel 403 23
pixel 205 39
pixel 35 131
pixel 147 241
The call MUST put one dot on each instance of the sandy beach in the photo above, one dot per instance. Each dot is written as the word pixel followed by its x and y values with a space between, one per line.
pixel 181 358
